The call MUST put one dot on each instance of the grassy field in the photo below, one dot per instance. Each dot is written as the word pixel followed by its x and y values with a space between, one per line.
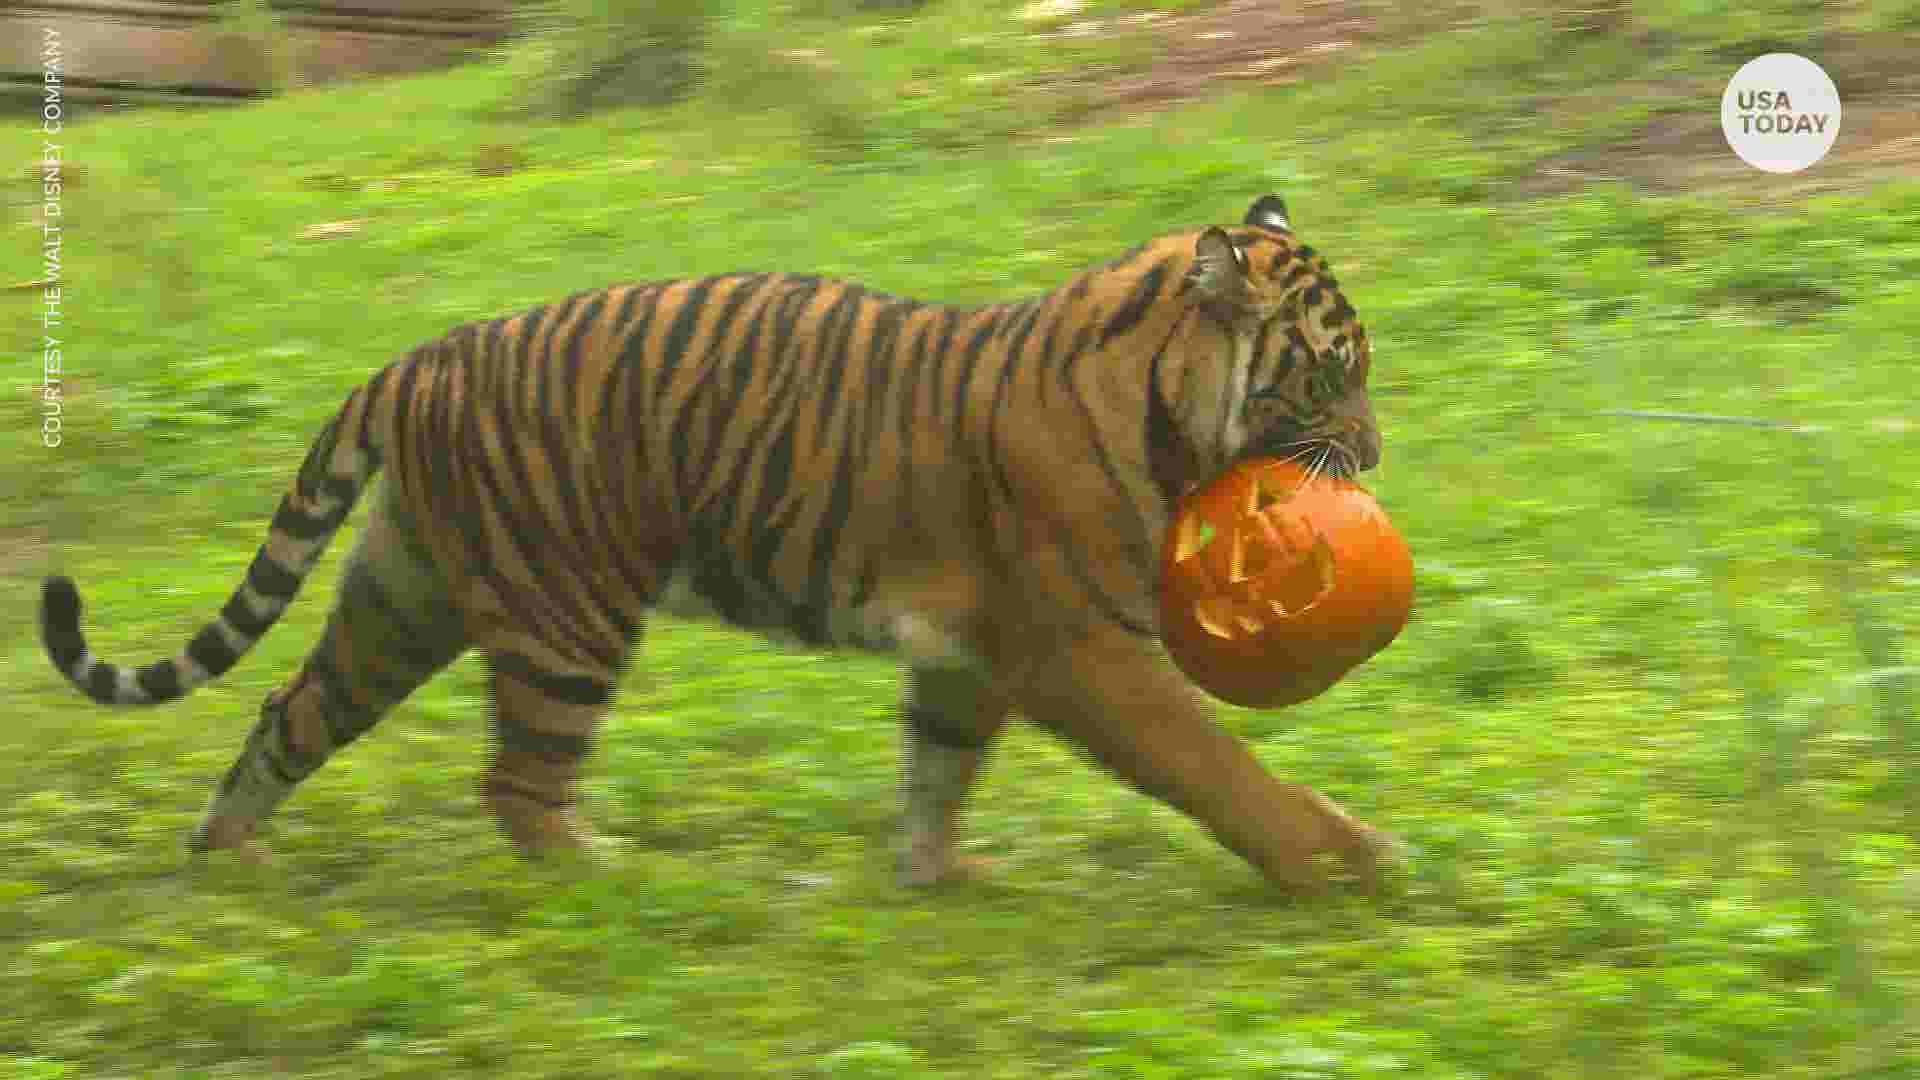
pixel 1645 736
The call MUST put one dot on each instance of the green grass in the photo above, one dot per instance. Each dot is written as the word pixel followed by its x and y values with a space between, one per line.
pixel 1661 825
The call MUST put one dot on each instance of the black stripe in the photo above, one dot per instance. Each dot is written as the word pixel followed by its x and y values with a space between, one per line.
pixel 906 404
pixel 909 394
pixel 769 529
pixel 969 359
pixel 1298 340
pixel 703 459
pixel 503 787
pixel 228 780
pixel 210 650
pixel 942 348
pixel 1054 322
pixel 278 768
pixel 801 291
pixel 417 645
pixel 628 341
pixel 104 684
pixel 826 537
pixel 432 486
pixel 1024 318
pixel 567 689
pixel 546 336
pixel 313 466
pixel 161 680
pixel 389 687
pixel 343 489
pixel 529 543
pixel 297 523
pixel 269 578
pixel 492 340
pixel 560 365
pixel 852 355
pixel 616 417
pixel 516 735
pixel 557 425
pixel 1259 358
pixel 403 398
pixel 881 348
pixel 373 388
pixel 680 333
pixel 239 615
pixel 570 351
pixel 1138 304
pixel 1021 321
pixel 60 622
pixel 1075 350
pixel 611 486
pixel 1102 600
pixel 338 705
pixel 529 533
pixel 779 400
pixel 775 422
pixel 836 334
pixel 1342 311
pixel 1161 435
pixel 930 724
pixel 766 463
pixel 459 343
pixel 726 408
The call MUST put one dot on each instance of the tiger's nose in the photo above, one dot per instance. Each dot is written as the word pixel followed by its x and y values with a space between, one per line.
pixel 1364 438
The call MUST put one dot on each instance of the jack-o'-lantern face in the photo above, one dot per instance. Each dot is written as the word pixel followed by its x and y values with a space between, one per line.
pixel 1275 582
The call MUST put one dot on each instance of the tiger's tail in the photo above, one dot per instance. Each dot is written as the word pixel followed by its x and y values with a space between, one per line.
pixel 336 470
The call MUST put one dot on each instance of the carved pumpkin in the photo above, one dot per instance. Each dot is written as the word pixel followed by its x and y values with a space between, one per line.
pixel 1274 586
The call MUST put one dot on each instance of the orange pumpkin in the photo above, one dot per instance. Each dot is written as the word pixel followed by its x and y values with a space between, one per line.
pixel 1273 586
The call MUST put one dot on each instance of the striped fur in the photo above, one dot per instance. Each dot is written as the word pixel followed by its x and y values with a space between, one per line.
pixel 982 489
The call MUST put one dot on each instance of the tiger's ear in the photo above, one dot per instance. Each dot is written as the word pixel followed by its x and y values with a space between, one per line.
pixel 1219 268
pixel 1269 212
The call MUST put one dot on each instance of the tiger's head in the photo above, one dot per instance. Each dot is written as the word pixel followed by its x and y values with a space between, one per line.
pixel 1298 381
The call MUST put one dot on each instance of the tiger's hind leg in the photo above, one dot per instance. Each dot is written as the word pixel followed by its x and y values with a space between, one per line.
pixel 951 716
pixel 391 629
pixel 543 727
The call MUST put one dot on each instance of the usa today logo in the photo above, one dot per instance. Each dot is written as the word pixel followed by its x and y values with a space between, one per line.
pixel 1780 112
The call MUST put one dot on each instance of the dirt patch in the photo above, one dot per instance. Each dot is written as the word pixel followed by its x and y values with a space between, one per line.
pixel 1879 84
pixel 1879 138
pixel 1266 42
pixel 23 552
pixel 1239 42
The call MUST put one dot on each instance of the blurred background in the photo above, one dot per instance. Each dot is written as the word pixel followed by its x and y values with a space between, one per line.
pixel 1650 432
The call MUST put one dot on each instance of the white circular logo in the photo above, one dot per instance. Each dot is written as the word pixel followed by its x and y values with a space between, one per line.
pixel 1780 113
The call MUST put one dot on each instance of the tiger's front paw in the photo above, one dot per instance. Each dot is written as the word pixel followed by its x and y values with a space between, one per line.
pixel 921 867
pixel 218 833
pixel 1376 858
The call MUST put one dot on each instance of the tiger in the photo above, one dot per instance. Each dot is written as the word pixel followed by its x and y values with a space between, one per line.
pixel 979 490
